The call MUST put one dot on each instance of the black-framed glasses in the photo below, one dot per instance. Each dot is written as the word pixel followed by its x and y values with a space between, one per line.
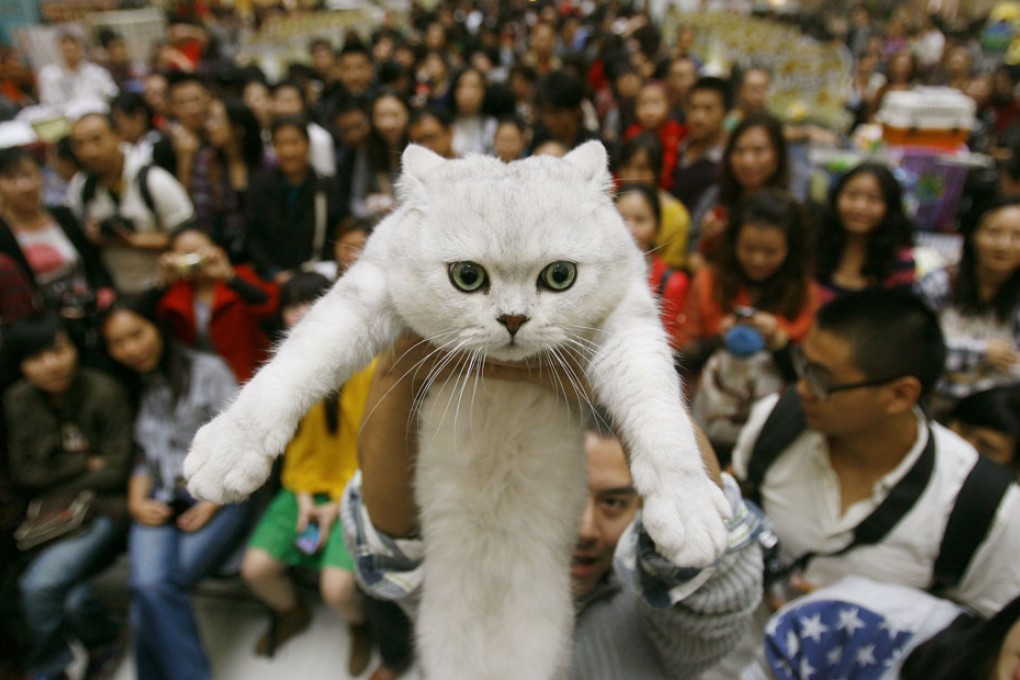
pixel 818 382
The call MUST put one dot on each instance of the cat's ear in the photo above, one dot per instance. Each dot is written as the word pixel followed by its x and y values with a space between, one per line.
pixel 418 163
pixel 591 158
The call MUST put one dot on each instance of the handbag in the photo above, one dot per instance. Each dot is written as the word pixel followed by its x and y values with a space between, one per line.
pixel 50 518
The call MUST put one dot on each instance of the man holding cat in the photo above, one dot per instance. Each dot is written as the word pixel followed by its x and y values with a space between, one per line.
pixel 643 619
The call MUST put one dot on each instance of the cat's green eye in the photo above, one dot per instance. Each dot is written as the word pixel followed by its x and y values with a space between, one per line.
pixel 467 276
pixel 558 276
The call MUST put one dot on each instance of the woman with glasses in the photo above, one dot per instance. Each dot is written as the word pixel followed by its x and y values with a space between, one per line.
pixel 978 303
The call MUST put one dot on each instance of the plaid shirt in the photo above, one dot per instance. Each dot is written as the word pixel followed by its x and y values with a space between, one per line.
pixel 967 370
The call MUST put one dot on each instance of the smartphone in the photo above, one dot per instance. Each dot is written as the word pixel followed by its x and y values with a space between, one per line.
pixel 308 541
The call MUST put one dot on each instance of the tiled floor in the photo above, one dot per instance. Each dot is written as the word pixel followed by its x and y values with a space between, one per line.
pixel 230 629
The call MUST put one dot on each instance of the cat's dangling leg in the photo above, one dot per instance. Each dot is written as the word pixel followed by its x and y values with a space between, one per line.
pixel 633 377
pixel 232 455
pixel 501 485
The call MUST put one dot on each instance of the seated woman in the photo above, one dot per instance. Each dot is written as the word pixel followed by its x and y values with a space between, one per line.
pixel 174 540
pixel 49 244
pixel 638 204
pixel 213 306
pixel 69 430
pixel 317 464
pixel 978 303
pixel 866 239
pixel 636 163
pixel 745 311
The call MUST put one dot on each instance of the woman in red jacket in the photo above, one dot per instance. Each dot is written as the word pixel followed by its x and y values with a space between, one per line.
pixel 213 306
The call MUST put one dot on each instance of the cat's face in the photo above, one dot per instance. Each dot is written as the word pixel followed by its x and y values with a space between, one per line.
pixel 509 260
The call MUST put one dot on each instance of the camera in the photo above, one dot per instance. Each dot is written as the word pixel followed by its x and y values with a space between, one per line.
pixel 189 263
pixel 115 225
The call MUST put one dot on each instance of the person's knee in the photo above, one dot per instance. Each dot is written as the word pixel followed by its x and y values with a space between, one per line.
pixel 339 590
pixel 258 565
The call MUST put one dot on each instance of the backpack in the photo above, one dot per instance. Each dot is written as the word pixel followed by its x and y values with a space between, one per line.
pixel 969 521
pixel 88 190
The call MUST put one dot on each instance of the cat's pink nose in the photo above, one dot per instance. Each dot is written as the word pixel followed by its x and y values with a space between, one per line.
pixel 512 323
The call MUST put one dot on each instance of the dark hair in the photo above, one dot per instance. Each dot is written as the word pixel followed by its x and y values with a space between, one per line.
pixel 191 225
pixel 515 120
pixel 302 288
pixel 560 90
pixel 353 224
pixel 178 78
pixel 890 332
pixel 651 196
pixel 714 84
pixel 967 648
pixel 729 190
pixel 241 118
pixel 174 365
pixel 316 43
pixel 646 143
pixel 354 46
pixel 380 157
pixel 785 292
pixel 11 159
pixel 345 102
pixel 108 36
pixel 29 337
pixel 437 113
pixel 64 149
pixel 132 104
pixel 996 409
pixel 966 294
pixel 290 84
pixel 299 123
pixel 456 80
pixel 894 233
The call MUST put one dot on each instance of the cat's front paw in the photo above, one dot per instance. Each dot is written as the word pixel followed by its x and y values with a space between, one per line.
pixel 227 461
pixel 687 522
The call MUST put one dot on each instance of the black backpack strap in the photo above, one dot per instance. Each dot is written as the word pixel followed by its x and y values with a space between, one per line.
pixel 784 424
pixel 970 521
pixel 88 190
pixel 143 188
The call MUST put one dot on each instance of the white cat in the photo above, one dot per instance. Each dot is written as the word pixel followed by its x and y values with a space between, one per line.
pixel 522 261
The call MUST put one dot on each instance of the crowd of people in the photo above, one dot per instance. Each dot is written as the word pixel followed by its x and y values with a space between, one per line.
pixel 862 402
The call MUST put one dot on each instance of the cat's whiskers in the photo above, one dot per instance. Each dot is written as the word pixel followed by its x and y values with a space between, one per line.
pixel 578 382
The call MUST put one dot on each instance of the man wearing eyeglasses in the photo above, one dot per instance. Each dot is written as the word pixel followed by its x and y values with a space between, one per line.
pixel 864 369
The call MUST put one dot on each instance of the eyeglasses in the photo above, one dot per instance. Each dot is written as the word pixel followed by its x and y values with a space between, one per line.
pixel 819 385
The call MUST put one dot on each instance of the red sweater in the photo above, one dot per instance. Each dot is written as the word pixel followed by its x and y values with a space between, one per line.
pixel 234 327
pixel 672 295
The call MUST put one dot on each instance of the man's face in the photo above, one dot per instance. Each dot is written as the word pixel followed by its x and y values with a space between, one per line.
pixel 355 72
pixel 611 506
pixel 845 412
pixel 53 369
pixel 431 134
pixel 95 144
pixel 353 127
pixel 705 114
pixel 754 91
pixel 71 51
pixel 287 102
pixel 563 124
pixel 322 59
pixel 189 104
pixel 682 74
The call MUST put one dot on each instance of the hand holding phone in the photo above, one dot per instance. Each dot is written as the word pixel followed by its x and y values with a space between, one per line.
pixel 308 540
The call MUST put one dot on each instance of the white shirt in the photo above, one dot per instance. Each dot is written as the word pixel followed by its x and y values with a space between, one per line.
pixel 59 86
pixel 800 495
pixel 134 270
pixel 322 149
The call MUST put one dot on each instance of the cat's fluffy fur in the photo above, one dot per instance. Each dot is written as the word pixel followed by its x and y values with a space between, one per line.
pixel 500 479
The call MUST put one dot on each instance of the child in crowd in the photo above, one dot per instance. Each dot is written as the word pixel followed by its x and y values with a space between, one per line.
pixel 990 421
pixel 300 527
